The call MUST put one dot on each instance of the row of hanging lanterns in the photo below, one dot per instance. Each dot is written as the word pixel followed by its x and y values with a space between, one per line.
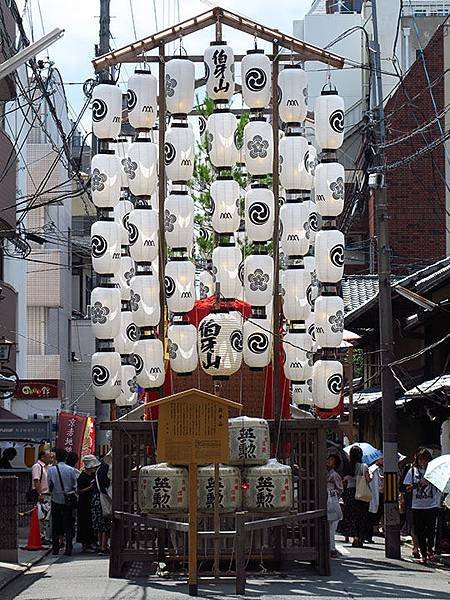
pixel 125 239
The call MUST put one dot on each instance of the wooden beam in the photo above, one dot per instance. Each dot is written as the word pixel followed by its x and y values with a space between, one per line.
pixel 198 58
pixel 275 244
pixel 131 51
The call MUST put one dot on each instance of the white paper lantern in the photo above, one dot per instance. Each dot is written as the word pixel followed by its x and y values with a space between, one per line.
pixel 105 247
pixel 179 282
pixel 293 174
pixel 327 383
pixel 123 276
pixel 313 223
pixel 258 279
pixel 256 73
pixel 179 220
pixel 225 199
pixel 312 291
pixel 143 167
pixel 294 355
pixel 128 389
pixel 220 343
pixel 258 147
pixel 105 311
pixel 105 179
pixel 179 152
pixel 329 120
pixel 143 234
pixel 310 324
pixel 259 213
pixel 219 71
pixel 294 283
pixel 226 260
pixel 205 285
pixel 300 394
pixel 329 320
pixel 180 86
pixel 106 111
pixel 128 334
pixel 310 164
pixel 121 149
pixel 295 227
pixel 330 189
pixel 121 213
pixel 292 94
pixel 330 255
pixel 106 372
pixel 145 299
pixel 148 357
pixel 221 136
pixel 257 346
pixel 141 100
pixel 182 347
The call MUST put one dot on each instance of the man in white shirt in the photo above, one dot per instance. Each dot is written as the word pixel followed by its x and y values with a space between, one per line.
pixel 39 482
pixel 62 481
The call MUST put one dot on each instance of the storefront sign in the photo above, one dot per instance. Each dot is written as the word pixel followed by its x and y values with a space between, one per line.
pixel 71 430
pixel 29 389
pixel 37 430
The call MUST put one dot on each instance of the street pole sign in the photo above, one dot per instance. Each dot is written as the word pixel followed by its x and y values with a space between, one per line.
pixel 193 430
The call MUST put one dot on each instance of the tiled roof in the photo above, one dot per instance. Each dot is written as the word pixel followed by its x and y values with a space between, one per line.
pixel 428 387
pixel 358 289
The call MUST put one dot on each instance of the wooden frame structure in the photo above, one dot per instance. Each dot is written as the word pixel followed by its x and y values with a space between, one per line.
pixel 301 534
pixel 298 50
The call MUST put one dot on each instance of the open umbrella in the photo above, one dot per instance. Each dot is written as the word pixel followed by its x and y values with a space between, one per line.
pixel 438 473
pixel 370 454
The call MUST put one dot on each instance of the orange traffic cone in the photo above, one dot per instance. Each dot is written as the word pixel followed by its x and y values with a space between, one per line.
pixel 34 537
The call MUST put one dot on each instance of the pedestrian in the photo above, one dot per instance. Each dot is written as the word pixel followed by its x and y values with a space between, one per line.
pixel 101 504
pixel 86 535
pixel 62 481
pixel 334 489
pixel 376 505
pixel 426 500
pixel 72 460
pixel 9 454
pixel 356 511
pixel 39 483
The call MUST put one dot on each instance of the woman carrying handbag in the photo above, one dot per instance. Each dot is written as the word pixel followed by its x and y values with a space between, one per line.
pixel 357 496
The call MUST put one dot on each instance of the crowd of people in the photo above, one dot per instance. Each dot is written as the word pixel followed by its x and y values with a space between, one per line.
pixel 356 501
pixel 73 504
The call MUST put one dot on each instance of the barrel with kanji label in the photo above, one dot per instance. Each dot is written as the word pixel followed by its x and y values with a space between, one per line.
pixel 163 488
pixel 267 487
pixel 230 491
pixel 249 441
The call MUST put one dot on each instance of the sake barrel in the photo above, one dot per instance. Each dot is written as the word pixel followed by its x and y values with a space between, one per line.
pixel 163 488
pixel 230 491
pixel 249 441
pixel 268 488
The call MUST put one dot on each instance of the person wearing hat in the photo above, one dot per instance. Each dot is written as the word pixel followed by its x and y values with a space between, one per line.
pixel 86 535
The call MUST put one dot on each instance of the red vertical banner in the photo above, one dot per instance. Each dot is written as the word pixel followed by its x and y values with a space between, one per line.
pixel 71 429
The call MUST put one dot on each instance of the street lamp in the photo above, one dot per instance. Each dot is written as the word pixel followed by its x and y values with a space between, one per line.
pixel 5 349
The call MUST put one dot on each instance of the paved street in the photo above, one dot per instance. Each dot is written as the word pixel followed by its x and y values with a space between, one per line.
pixel 358 574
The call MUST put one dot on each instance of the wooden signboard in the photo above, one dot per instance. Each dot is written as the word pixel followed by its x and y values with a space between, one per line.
pixel 193 430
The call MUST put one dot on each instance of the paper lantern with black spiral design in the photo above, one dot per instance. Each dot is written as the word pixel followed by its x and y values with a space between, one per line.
pixel 257 348
pixel 327 382
pixel 106 374
pixel 128 333
pixel 259 213
pixel 141 100
pixel 106 111
pixel 330 251
pixel 220 343
pixel 329 120
pixel 180 86
pixel 256 73
pixel 180 285
pixel 105 247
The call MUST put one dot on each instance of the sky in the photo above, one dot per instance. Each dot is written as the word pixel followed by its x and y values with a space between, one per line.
pixel 79 18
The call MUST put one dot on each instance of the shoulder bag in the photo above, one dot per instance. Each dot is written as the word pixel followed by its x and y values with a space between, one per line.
pixel 70 498
pixel 105 500
pixel 363 491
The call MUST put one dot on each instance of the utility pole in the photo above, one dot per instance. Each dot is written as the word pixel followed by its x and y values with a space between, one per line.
pixel 389 418
pixel 103 412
